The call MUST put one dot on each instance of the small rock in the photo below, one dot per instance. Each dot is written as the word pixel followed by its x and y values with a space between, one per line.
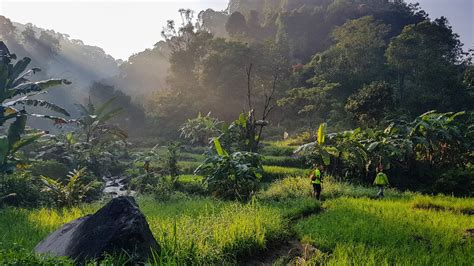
pixel 119 226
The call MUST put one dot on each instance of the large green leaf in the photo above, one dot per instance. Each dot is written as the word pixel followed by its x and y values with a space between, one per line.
pixel 19 67
pixel 105 106
pixel 326 157
pixel 41 103
pixel 109 115
pixel 57 120
pixel 321 134
pixel 23 78
pixel 25 140
pixel 29 87
pixel 219 148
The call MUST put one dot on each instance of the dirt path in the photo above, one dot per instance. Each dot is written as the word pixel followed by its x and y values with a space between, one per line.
pixel 285 252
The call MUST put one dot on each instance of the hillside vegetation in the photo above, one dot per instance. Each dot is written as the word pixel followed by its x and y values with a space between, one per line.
pixel 226 130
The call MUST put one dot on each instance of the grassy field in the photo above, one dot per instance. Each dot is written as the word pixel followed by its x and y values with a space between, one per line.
pixel 361 231
pixel 189 230
pixel 349 228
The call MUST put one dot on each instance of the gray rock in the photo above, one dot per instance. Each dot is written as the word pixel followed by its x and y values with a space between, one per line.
pixel 118 227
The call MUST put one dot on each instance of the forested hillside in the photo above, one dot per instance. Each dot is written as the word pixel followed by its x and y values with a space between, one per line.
pixel 275 132
pixel 348 63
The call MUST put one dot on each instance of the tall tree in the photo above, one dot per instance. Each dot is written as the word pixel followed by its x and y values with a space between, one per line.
pixel 428 60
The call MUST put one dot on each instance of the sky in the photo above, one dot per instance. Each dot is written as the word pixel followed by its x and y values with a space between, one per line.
pixel 125 27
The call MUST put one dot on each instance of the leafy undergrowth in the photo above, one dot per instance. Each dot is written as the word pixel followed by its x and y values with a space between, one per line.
pixel 361 231
pixel 194 230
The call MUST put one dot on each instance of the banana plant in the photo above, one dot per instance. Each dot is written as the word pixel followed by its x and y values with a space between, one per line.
pixel 441 137
pixel 231 175
pixel 93 121
pixel 317 151
pixel 17 90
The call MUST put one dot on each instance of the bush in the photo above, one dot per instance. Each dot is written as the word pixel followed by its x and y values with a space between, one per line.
pixel 200 129
pixel 71 193
pixel 459 182
pixel 163 190
pixel 232 176
pixel 20 189
pixel 51 168
pixel 144 183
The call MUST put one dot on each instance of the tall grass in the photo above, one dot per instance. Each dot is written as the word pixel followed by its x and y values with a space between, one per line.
pixel 283 161
pixel 278 172
pixel 444 203
pixel 360 231
pixel 190 231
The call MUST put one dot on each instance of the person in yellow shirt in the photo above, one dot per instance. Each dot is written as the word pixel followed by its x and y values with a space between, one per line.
pixel 381 181
pixel 316 181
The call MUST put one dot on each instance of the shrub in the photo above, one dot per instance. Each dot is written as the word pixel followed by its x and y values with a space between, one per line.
pixel 459 182
pixel 69 194
pixel 200 129
pixel 163 190
pixel 51 168
pixel 20 189
pixel 232 176
pixel 171 163
pixel 144 183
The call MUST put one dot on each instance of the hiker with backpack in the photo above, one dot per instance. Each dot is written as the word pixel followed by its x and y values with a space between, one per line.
pixel 381 181
pixel 316 181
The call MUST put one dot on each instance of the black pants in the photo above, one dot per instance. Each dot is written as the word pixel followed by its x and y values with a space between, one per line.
pixel 317 190
pixel 381 189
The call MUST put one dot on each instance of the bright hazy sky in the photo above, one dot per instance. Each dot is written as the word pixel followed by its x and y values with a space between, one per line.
pixel 124 27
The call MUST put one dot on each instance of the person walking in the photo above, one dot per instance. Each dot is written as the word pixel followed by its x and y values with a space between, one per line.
pixel 316 181
pixel 381 181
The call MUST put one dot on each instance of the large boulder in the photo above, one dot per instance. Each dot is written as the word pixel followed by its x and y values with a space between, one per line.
pixel 119 226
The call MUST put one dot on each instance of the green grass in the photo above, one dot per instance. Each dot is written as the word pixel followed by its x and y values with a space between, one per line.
pixel 194 230
pixel 283 161
pixel 193 157
pixel 443 203
pixel 191 184
pixel 272 150
pixel 279 172
pixel 361 231
pixel 188 167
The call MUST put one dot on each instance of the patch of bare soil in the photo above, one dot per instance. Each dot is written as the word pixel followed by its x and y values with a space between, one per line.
pixel 288 252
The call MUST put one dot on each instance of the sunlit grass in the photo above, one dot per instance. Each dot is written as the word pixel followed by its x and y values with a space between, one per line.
pixel 195 230
pixel 279 172
pixel 361 231
pixel 444 203
pixel 283 161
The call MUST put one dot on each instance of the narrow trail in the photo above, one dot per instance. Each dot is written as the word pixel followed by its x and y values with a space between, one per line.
pixel 287 251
